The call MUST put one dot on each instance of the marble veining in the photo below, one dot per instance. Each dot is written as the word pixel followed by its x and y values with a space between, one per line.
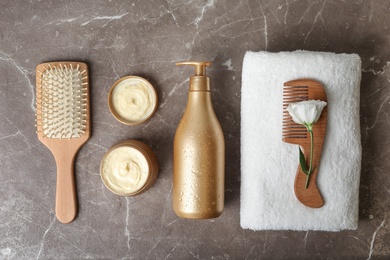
pixel 146 38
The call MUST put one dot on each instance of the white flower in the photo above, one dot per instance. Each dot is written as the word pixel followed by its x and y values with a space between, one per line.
pixel 306 112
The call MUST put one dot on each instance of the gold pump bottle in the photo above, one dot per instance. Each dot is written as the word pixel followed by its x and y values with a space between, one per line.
pixel 198 153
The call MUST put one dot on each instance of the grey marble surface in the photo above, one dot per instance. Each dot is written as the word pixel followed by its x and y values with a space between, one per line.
pixel 146 38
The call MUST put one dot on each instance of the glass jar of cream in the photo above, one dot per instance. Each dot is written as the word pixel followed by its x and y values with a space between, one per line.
pixel 129 168
pixel 132 100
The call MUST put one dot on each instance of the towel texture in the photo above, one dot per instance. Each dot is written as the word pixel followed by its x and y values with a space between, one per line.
pixel 268 165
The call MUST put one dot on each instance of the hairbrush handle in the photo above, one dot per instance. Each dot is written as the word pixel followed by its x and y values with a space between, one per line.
pixel 66 202
pixel 310 197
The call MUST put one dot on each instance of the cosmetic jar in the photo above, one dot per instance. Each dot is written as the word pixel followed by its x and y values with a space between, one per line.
pixel 129 168
pixel 132 100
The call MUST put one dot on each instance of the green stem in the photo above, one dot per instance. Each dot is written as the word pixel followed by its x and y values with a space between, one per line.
pixel 310 130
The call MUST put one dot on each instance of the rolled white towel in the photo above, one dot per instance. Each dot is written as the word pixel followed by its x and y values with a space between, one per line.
pixel 268 165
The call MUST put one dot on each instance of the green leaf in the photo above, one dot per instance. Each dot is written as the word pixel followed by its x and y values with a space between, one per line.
pixel 302 161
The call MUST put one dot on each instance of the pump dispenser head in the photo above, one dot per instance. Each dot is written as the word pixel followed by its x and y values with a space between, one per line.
pixel 200 66
pixel 198 82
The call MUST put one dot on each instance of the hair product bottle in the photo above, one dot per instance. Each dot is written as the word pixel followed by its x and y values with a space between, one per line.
pixel 199 153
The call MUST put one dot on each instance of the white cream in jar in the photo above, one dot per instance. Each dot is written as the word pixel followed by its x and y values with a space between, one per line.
pixel 125 170
pixel 133 99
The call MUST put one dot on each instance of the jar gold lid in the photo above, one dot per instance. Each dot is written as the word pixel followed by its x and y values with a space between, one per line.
pixel 132 100
pixel 129 168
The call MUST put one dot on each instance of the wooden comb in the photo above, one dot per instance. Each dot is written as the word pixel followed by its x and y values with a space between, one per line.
pixel 63 124
pixel 293 133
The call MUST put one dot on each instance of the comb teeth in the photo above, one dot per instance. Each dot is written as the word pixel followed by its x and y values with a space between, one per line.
pixel 293 94
pixel 62 101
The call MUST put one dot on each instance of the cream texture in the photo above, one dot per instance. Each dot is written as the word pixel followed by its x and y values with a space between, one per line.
pixel 125 170
pixel 133 100
pixel 268 165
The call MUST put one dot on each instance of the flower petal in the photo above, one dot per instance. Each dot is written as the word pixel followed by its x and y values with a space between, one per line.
pixel 310 113
pixel 320 106
pixel 292 109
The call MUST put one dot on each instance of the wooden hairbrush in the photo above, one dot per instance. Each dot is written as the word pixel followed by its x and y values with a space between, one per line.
pixel 63 124
pixel 296 91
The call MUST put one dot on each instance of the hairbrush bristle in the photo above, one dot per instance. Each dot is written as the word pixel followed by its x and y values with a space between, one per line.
pixel 293 94
pixel 62 98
